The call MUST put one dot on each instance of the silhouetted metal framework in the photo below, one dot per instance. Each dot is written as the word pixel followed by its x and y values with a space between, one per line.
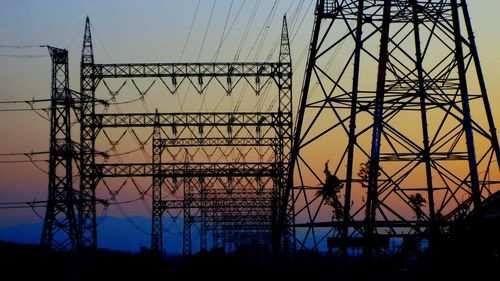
pixel 235 207
pixel 387 98
pixel 184 130
pixel 60 226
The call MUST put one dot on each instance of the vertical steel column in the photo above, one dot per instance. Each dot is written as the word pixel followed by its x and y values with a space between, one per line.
pixel 188 220
pixel 203 213
pixel 464 92
pixel 188 217
pixel 423 113
pixel 295 149
pixel 88 180
pixel 378 124
pixel 156 220
pixel 352 120
pixel 283 234
pixel 482 83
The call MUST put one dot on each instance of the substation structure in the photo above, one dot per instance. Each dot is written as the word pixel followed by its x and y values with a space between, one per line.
pixel 233 201
pixel 395 97
pixel 394 138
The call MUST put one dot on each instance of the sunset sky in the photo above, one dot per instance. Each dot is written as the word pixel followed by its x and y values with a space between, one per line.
pixel 153 31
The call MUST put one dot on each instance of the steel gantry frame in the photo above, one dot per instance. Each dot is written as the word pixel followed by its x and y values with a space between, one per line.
pixel 389 87
pixel 250 207
pixel 266 129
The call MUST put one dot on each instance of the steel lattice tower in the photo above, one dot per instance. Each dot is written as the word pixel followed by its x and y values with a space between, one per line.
pixel 395 99
pixel 60 226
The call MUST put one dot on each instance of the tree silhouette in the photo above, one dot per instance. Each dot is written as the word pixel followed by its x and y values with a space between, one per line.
pixel 417 201
pixel 364 173
pixel 330 192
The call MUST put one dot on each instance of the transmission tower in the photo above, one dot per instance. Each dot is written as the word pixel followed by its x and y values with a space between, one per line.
pixel 385 133
pixel 60 226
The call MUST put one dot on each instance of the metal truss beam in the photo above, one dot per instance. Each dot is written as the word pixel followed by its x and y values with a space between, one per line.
pixel 263 225
pixel 179 70
pixel 237 141
pixel 259 221
pixel 187 170
pixel 225 200
pixel 236 218
pixel 222 203
pixel 186 119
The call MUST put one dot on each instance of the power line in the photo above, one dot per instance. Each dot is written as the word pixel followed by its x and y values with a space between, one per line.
pixel 203 44
pixel 23 161
pixel 21 207
pixel 24 56
pixel 131 222
pixel 25 153
pixel 232 23
pixel 23 202
pixel 28 102
pixel 102 45
pixel 206 30
pixel 224 30
pixel 37 204
pixel 247 29
pixel 75 36
pixel 264 30
pixel 301 21
pixel 190 30
pixel 25 101
pixel 292 22
pixel 22 46
pixel 125 202
pixel 23 109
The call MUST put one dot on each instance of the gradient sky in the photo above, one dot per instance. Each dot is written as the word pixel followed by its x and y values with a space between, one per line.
pixel 150 31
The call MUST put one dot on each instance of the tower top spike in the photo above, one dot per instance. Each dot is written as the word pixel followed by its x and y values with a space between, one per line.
pixel 285 56
pixel 87 50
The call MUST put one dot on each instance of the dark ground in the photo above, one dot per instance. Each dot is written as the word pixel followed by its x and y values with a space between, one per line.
pixel 467 258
